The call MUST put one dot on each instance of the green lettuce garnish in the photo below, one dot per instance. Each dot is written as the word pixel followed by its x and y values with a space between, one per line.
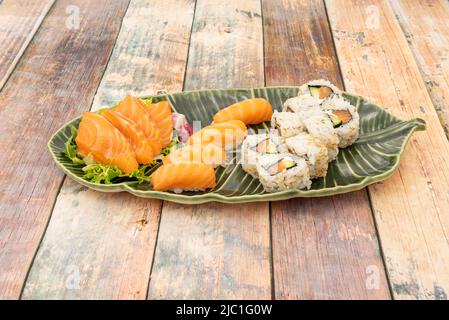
pixel 147 101
pixel 101 173
pixel 166 151
pixel 100 111
pixel 71 150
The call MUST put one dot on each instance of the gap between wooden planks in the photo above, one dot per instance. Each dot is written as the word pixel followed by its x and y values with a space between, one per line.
pixel 426 27
pixel 19 22
pixel 411 208
pixel 107 240
pixel 54 81
pixel 323 248
pixel 217 251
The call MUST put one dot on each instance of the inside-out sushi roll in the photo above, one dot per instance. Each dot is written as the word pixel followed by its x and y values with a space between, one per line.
pixel 301 104
pixel 255 145
pixel 322 130
pixel 283 171
pixel 345 119
pixel 304 145
pixel 319 89
pixel 286 124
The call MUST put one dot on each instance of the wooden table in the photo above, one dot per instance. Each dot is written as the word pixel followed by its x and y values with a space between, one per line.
pixel 61 240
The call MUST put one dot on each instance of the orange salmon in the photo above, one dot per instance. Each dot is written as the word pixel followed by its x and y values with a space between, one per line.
pixel 161 114
pixel 204 153
pixel 183 176
pixel 141 144
pixel 226 134
pixel 106 144
pixel 251 111
pixel 135 109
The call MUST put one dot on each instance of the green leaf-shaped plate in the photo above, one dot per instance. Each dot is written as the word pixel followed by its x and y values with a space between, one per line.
pixel 372 158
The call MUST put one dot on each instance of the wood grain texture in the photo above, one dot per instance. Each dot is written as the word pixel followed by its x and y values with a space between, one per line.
pixel 323 248
pixel 151 52
pixel 216 250
pixel 412 207
pixel 108 240
pixel 19 22
pixel 426 26
pixel 55 80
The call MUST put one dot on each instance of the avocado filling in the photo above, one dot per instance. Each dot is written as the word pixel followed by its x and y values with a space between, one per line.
pixel 339 117
pixel 278 167
pixel 320 92
pixel 266 147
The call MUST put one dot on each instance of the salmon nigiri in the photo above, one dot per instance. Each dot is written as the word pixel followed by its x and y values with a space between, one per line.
pixel 106 144
pixel 197 153
pixel 134 109
pixel 183 176
pixel 251 111
pixel 141 144
pixel 161 114
pixel 226 134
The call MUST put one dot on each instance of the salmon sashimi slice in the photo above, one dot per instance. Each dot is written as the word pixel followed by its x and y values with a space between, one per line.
pixel 251 111
pixel 204 153
pixel 135 109
pixel 183 176
pixel 227 134
pixel 161 114
pixel 105 143
pixel 141 144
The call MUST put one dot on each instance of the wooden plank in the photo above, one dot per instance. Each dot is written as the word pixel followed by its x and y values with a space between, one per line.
pixel 322 248
pixel 20 21
pixel 216 250
pixel 412 207
pixel 426 27
pixel 55 80
pixel 108 239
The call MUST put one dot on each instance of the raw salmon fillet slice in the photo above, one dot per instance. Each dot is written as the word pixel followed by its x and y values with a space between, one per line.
pixel 141 144
pixel 184 176
pixel 204 153
pixel 161 114
pixel 106 144
pixel 250 111
pixel 226 134
pixel 135 109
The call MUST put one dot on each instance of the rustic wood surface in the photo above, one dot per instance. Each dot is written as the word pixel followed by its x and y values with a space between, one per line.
pixel 19 22
pixel 40 96
pixel 61 240
pixel 110 247
pixel 216 250
pixel 411 208
pixel 426 27
pixel 319 245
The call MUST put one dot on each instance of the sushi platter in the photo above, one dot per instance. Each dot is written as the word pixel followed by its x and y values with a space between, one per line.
pixel 234 145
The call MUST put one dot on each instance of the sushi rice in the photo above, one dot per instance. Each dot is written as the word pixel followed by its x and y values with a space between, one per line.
pixel 301 104
pixel 347 132
pixel 276 177
pixel 304 145
pixel 252 148
pixel 287 124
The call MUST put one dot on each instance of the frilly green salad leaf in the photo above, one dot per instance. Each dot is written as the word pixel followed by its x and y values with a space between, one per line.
pixel 166 151
pixel 100 173
pixel 71 148
pixel 148 101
